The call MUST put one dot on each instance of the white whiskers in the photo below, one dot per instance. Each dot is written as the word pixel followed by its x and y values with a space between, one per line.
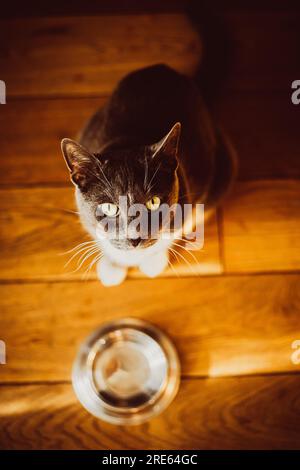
pixel 188 251
pixel 174 251
pixel 84 251
pixel 94 261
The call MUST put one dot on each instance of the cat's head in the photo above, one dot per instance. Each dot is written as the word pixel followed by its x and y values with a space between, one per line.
pixel 125 179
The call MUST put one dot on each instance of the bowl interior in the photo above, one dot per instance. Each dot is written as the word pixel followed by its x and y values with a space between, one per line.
pixel 129 368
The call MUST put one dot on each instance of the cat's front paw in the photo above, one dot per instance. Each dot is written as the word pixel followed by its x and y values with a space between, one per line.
pixel 154 265
pixel 110 274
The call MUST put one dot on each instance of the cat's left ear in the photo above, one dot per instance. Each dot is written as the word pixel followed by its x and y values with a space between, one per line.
pixel 168 145
pixel 80 161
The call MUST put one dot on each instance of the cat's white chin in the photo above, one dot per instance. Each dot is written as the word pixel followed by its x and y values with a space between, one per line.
pixel 134 257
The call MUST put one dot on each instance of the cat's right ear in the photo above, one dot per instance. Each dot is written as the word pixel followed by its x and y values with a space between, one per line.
pixel 80 161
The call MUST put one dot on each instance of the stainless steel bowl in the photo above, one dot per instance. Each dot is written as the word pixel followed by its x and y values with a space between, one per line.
pixel 126 372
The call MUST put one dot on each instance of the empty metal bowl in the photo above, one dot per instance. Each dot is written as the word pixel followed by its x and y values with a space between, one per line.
pixel 126 372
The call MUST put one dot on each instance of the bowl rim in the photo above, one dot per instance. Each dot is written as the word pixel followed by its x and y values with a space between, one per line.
pixel 83 383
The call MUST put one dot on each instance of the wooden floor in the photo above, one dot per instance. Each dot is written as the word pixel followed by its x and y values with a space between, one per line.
pixel 233 313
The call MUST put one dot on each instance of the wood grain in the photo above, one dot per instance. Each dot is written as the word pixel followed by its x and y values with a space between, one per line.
pixel 220 325
pixel 233 413
pixel 88 55
pixel 263 128
pixel 58 71
pixel 255 63
pixel 39 227
pixel 59 55
pixel 261 223
pixel 262 227
pixel 31 131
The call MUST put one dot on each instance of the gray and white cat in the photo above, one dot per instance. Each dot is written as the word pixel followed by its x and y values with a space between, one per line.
pixel 153 143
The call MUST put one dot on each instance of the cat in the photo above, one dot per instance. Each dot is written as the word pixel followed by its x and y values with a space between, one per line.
pixel 153 143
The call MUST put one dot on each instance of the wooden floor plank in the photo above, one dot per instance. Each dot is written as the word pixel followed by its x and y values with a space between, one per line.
pixel 262 227
pixel 31 130
pixel 256 63
pixel 235 413
pixel 261 224
pixel 78 62
pixel 264 128
pixel 88 55
pixel 220 325
pixel 39 227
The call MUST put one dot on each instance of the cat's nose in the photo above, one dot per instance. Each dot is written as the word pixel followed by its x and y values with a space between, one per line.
pixel 135 241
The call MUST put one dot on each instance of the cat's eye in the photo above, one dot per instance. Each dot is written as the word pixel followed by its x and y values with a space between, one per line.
pixel 109 209
pixel 153 203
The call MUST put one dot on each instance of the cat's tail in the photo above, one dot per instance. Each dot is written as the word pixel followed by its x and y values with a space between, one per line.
pixel 225 171
pixel 217 49
pixel 211 78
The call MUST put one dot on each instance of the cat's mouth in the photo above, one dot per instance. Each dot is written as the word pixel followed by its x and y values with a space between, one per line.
pixel 133 244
